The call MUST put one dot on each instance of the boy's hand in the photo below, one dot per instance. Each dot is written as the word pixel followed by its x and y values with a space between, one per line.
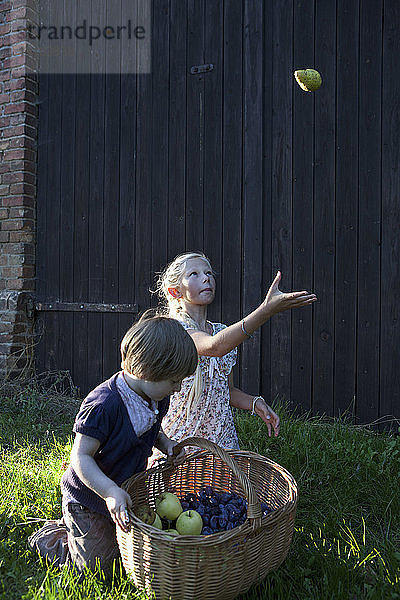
pixel 277 301
pixel 172 457
pixel 118 501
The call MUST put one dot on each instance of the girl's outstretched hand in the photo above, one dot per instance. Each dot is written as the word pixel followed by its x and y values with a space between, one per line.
pixel 277 301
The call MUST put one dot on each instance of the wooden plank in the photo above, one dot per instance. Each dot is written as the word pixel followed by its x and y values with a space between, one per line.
pixel 67 192
pixel 267 266
pixel 85 307
pixel 252 184
pixel 127 167
pixel 346 206
pixel 81 219
pixel 53 200
pixel 160 132
pixel 194 214
pixel 369 270
pixel 303 177
pixel 390 278
pixel 281 221
pixel 177 128
pixel 230 271
pixel 41 198
pixel 96 196
pixel 213 40
pixel 324 209
pixel 112 157
pixel 144 141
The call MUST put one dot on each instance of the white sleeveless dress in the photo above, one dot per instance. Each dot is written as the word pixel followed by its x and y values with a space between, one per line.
pixel 211 417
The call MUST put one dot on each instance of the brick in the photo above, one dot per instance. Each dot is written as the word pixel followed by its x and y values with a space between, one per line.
pixel 13 61
pixel 5 28
pixel 4 237
pixel 5 52
pixel 5 144
pixel 25 271
pixel 22 188
pixel 16 177
pixel 21 141
pixel 5 121
pixel 16 248
pixel 20 284
pixel 11 225
pixel 17 84
pixel 15 260
pixel 24 94
pixel 18 201
pixel 20 236
pixel 33 4
pixel 5 75
pixel 14 38
pixel 4 213
pixel 20 154
pixel 20 48
pixel 9 132
pixel 4 190
pixel 18 13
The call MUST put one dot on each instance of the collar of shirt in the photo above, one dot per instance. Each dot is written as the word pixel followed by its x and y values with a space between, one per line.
pixel 142 415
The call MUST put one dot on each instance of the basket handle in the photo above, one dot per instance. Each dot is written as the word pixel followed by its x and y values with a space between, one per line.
pixel 254 512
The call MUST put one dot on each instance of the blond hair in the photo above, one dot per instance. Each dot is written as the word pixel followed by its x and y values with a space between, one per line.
pixel 158 348
pixel 172 277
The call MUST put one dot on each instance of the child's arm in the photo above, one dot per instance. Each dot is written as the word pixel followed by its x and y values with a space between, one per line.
pixel 241 400
pixel 84 465
pixel 275 301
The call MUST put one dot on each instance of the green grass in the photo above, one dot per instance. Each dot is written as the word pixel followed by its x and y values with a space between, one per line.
pixel 347 530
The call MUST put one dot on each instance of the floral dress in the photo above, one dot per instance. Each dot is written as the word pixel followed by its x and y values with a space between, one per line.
pixel 211 417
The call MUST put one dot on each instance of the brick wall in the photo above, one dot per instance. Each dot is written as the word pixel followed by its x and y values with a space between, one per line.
pixel 18 134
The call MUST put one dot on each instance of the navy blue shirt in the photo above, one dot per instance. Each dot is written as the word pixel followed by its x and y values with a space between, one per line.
pixel 121 453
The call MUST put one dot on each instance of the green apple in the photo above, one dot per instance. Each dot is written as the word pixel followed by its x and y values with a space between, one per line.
pixel 146 514
pixel 171 532
pixel 308 79
pixel 157 522
pixel 168 506
pixel 189 523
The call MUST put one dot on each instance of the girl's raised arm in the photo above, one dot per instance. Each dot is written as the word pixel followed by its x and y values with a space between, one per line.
pixel 275 302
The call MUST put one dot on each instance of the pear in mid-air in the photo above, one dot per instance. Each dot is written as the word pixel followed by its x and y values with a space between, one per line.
pixel 308 79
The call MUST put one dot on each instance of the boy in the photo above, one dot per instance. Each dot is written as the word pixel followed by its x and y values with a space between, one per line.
pixel 116 428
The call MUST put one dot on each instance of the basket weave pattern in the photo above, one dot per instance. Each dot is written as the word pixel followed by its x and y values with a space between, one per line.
pixel 224 564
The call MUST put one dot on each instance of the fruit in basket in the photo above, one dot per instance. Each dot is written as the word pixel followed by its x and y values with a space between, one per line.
pixel 168 506
pixel 220 511
pixel 146 514
pixel 172 531
pixel 189 523
pixel 157 522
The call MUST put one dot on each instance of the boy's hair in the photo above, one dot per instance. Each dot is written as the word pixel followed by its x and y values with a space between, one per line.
pixel 157 348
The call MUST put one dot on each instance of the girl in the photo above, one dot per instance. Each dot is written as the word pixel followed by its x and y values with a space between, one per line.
pixel 203 405
pixel 116 428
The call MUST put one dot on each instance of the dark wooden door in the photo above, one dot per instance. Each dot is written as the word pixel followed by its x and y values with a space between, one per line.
pixel 236 161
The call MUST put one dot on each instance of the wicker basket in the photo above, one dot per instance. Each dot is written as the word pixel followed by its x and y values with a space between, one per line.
pixel 221 565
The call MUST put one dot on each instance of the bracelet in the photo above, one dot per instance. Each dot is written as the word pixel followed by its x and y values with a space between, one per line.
pixel 253 410
pixel 249 335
